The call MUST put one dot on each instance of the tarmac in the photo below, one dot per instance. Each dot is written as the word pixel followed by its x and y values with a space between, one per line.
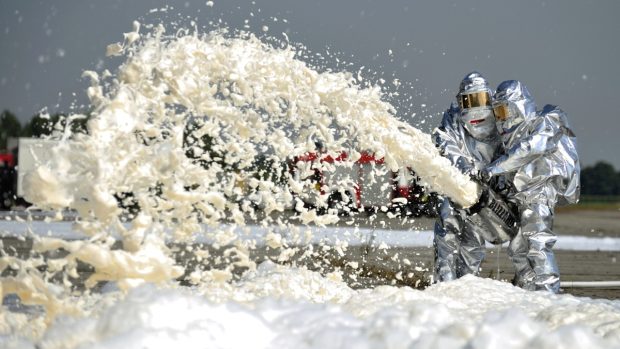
pixel 573 265
pixel 412 266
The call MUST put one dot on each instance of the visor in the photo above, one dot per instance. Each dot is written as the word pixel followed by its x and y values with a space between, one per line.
pixel 473 100
pixel 501 111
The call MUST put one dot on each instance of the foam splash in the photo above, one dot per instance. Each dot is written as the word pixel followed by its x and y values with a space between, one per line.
pixel 182 102
pixel 181 136
pixel 186 120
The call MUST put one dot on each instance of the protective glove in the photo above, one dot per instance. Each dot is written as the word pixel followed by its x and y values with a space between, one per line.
pixel 482 201
pixel 481 176
pixel 502 186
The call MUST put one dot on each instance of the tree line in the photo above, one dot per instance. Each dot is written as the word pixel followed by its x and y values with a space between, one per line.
pixel 600 179
pixel 39 125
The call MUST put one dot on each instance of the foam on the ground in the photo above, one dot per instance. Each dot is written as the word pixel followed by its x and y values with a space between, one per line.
pixel 285 307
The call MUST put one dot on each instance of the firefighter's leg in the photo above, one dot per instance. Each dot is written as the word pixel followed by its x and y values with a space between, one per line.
pixel 517 251
pixel 471 251
pixel 537 225
pixel 445 242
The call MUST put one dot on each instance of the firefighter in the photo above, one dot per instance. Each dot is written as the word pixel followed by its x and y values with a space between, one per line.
pixel 540 162
pixel 468 137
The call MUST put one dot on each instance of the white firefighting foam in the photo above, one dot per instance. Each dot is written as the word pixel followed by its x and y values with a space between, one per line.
pixel 177 134
pixel 285 307
pixel 248 99
pixel 173 134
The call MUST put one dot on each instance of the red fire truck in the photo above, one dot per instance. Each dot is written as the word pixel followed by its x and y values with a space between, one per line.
pixel 7 180
pixel 7 159
pixel 366 184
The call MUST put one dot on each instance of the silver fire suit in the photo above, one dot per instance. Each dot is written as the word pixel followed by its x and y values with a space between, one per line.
pixel 540 161
pixel 458 241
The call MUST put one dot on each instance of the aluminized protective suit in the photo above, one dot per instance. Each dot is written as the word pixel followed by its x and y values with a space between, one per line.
pixel 459 241
pixel 540 161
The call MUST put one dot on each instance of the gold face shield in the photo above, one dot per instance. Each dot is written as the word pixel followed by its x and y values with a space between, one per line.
pixel 476 99
pixel 501 111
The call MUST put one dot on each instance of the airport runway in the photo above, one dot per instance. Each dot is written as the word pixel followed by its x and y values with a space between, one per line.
pixel 412 264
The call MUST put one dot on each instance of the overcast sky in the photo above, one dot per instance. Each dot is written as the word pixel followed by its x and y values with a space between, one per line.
pixel 566 52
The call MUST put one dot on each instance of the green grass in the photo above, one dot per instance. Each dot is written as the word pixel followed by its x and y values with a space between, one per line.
pixel 594 203
pixel 599 198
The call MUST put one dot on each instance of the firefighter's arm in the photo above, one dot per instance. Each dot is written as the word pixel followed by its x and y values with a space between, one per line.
pixel 450 144
pixel 541 141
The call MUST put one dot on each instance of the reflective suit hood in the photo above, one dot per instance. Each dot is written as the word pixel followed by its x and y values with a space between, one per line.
pixel 478 121
pixel 473 82
pixel 521 104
